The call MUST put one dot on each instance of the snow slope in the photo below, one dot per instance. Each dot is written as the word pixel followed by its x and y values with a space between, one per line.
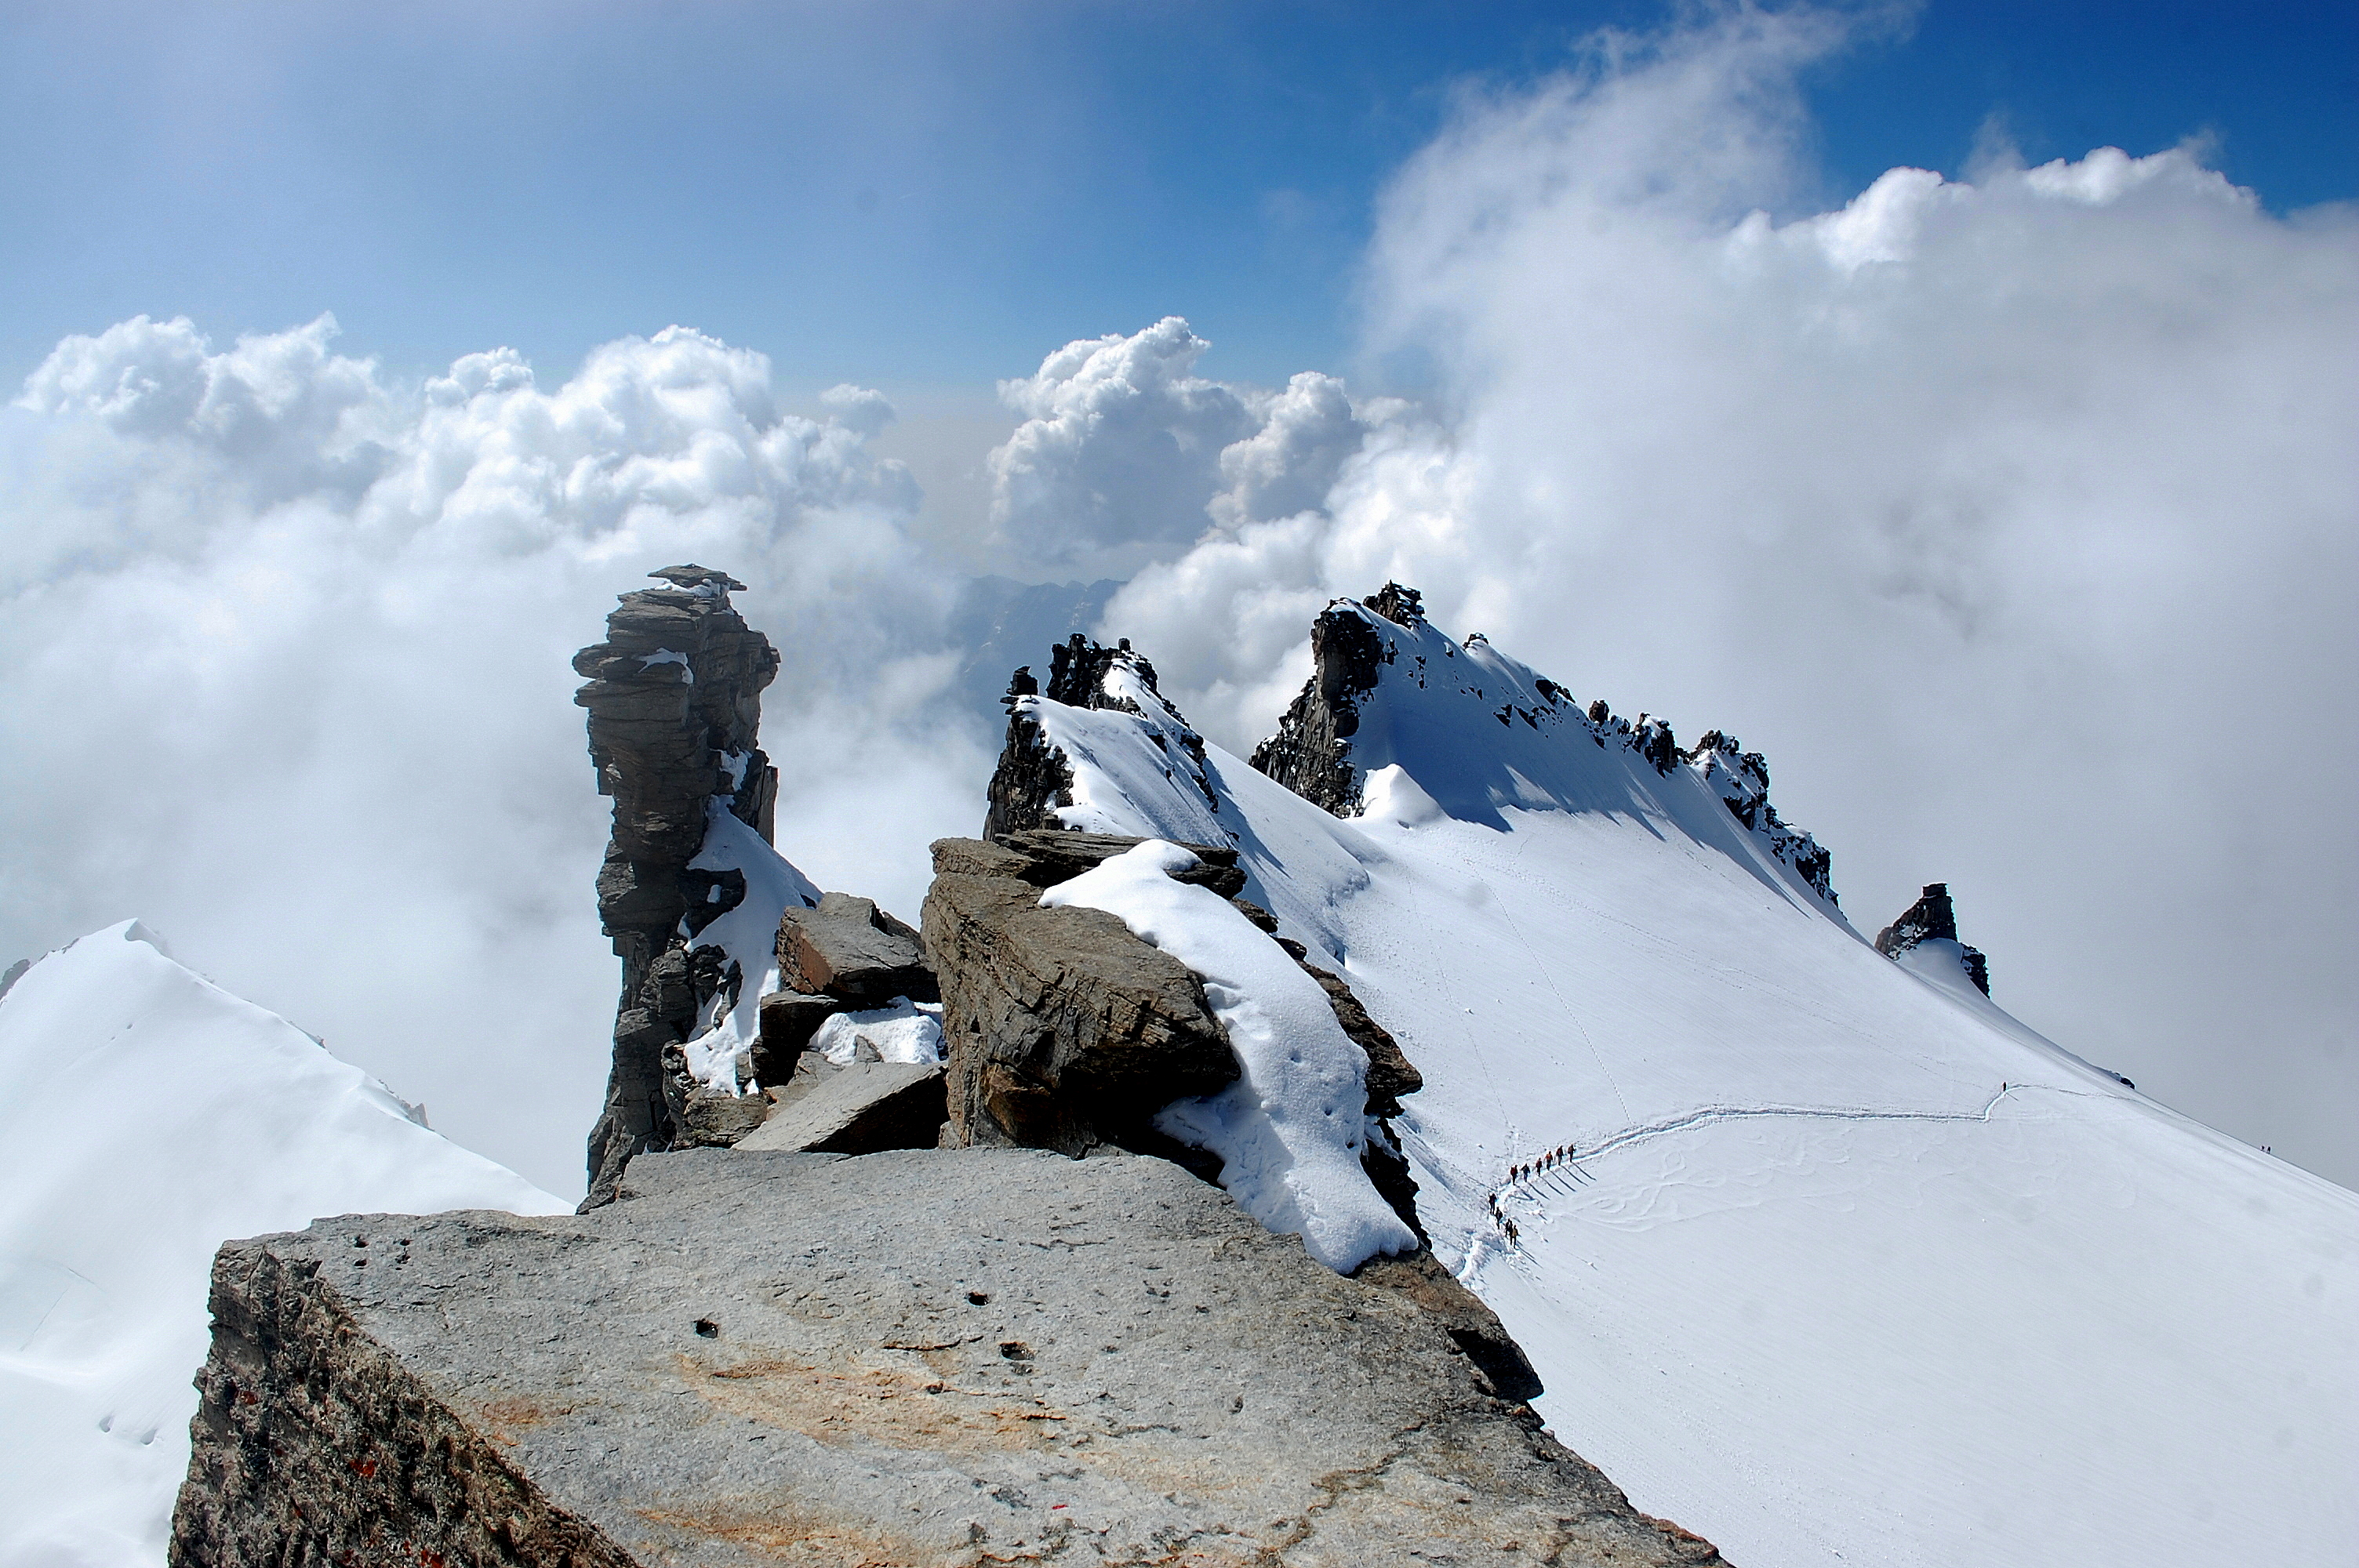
pixel 1847 1266
pixel 147 1116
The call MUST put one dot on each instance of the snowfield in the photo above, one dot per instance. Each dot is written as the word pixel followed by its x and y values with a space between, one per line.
pixel 1844 1265
pixel 147 1116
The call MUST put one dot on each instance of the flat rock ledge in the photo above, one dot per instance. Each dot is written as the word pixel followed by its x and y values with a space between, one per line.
pixel 920 1356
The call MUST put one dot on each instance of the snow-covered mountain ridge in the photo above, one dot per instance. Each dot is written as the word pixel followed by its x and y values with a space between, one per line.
pixel 148 1116
pixel 1389 686
pixel 1821 1253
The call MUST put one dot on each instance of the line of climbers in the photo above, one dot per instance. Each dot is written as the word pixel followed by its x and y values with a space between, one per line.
pixel 1561 1155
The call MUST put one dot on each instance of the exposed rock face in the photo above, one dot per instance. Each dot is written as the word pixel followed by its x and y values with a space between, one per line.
pixel 1045 857
pixel 763 1358
pixel 1741 779
pixel 1033 1042
pixel 14 973
pixel 674 696
pixel 1033 778
pixel 1062 1029
pixel 789 1018
pixel 1323 748
pixel 1460 1313
pixel 1933 916
pixel 1390 1075
pixel 718 1120
pixel 1310 752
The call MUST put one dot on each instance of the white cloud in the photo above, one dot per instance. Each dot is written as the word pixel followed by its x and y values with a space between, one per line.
pixel 287 675
pixel 1122 450
pixel 859 409
pixel 1120 447
pixel 1308 432
pixel 2013 519
pixel 2017 520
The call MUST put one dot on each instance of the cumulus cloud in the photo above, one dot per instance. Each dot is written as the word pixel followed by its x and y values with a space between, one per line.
pixel 1126 455
pixel 287 649
pixel 2014 517
pixel 1119 449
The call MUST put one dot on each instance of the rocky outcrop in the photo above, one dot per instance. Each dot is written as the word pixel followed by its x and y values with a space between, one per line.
pixel 674 700
pixel 763 1358
pixel 1310 753
pixel 1933 917
pixel 1033 777
pixel 1062 1030
pixel 1457 1312
pixel 1741 780
pixel 849 951
pixel 1390 1075
pixel 1380 662
pixel 1045 856
pixel 842 954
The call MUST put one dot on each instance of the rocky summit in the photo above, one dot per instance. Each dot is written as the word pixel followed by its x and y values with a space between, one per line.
pixel 919 1358
pixel 963 1297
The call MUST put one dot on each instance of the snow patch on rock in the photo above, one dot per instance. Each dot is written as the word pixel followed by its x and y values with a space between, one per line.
pixel 904 1031
pixel 1290 1131
pixel 748 934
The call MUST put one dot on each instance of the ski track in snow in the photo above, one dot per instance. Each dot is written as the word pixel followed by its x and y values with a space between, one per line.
pixel 1569 1159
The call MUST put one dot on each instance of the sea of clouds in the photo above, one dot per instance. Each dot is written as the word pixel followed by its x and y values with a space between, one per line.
pixel 2016 517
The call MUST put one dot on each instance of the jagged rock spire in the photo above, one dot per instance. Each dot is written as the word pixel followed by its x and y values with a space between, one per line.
pixel 1933 917
pixel 675 705
pixel 1310 753
pixel 1034 778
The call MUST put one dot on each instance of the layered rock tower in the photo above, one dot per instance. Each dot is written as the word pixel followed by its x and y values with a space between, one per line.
pixel 675 702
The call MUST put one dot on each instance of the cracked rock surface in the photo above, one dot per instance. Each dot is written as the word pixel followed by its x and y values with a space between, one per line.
pixel 781 1358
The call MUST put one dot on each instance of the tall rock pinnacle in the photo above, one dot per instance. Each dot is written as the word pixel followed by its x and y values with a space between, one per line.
pixel 675 702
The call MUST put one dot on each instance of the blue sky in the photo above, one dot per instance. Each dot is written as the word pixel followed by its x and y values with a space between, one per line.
pixel 915 195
